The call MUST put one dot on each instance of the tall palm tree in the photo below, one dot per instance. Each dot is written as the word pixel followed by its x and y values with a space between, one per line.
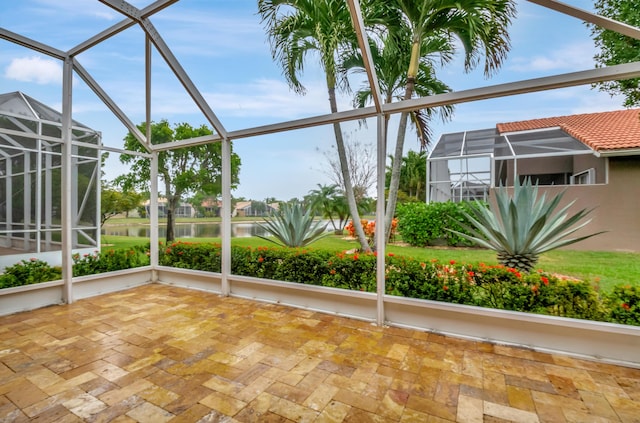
pixel 479 26
pixel 414 168
pixel 391 54
pixel 299 27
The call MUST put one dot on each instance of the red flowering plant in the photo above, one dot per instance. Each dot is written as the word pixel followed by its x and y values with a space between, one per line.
pixel 369 227
pixel 624 304
pixel 110 260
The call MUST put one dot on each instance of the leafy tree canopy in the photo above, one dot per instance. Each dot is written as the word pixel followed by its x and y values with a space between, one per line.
pixel 114 201
pixel 616 48
pixel 183 171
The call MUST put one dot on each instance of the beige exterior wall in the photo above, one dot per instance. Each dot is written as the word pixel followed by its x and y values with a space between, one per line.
pixel 616 206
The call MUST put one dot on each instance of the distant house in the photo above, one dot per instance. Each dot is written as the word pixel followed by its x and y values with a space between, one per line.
pixel 183 210
pixel 594 157
pixel 254 208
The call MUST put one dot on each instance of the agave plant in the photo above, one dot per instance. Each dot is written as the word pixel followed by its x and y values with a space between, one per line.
pixel 292 226
pixel 521 227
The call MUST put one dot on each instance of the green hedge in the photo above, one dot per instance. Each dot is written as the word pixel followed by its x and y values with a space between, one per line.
pixel 422 224
pixel 473 284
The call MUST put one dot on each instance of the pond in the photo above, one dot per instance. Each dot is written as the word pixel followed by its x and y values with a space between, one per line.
pixel 186 230
pixel 189 230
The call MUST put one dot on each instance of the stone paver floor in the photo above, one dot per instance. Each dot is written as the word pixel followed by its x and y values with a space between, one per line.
pixel 164 354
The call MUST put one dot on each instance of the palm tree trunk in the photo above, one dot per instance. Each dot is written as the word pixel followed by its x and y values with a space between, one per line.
pixel 394 184
pixel 346 177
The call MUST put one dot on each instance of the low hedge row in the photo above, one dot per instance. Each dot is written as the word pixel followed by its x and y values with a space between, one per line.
pixel 35 271
pixel 473 284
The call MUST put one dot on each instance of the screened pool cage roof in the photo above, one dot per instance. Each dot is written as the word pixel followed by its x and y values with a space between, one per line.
pixel 20 105
pixel 526 144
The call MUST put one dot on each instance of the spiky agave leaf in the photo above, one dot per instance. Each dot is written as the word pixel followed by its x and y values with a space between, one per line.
pixel 523 226
pixel 292 226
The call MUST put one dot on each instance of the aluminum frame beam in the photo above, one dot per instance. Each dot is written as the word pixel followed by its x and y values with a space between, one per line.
pixel 134 13
pixel 601 21
pixel 566 80
pixel 119 27
pixel 32 44
pixel 111 105
pixel 365 51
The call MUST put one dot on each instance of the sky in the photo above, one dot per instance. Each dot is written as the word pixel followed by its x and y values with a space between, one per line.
pixel 222 46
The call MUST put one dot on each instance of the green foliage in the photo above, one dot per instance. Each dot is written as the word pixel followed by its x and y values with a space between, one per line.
pixel 481 285
pixel 330 202
pixel 423 224
pixel 293 226
pixel 184 170
pixel 624 304
pixel 187 255
pixel 114 202
pixel 616 48
pixel 523 226
pixel 28 272
pixel 110 260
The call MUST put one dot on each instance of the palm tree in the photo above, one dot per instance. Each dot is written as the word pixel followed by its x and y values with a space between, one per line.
pixel 414 169
pixel 479 26
pixel 391 57
pixel 299 27
pixel 322 200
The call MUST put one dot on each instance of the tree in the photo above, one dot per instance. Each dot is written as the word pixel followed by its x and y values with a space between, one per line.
pixel 616 48
pixel 479 26
pixel 183 171
pixel 298 28
pixel 413 173
pixel 114 202
pixel 361 160
pixel 330 202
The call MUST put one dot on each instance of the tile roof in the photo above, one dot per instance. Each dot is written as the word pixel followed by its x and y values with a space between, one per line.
pixel 604 131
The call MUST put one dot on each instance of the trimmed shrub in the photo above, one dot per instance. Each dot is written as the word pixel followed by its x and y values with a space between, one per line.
pixel 624 304
pixel 422 224
pixel 109 261
pixel 28 272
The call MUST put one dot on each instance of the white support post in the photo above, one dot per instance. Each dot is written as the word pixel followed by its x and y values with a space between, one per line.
pixel 225 230
pixel 153 218
pixel 38 196
pixel 48 202
pixel 9 203
pixel 381 237
pixel 154 249
pixel 26 204
pixel 67 183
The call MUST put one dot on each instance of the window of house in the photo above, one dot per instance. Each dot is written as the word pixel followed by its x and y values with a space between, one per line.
pixel 586 177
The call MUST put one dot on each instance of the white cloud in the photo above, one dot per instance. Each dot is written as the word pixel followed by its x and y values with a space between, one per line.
pixel 575 56
pixel 272 98
pixel 34 69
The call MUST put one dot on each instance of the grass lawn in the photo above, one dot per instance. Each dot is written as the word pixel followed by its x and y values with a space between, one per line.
pixel 606 268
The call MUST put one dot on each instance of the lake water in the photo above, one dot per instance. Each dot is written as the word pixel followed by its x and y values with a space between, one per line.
pixel 186 230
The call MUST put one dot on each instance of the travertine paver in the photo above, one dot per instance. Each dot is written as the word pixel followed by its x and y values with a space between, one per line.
pixel 163 354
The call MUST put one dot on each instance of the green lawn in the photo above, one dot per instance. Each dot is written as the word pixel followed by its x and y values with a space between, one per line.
pixel 606 268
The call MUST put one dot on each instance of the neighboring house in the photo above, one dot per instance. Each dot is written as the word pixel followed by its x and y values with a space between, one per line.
pixel 183 210
pixel 594 158
pixel 254 208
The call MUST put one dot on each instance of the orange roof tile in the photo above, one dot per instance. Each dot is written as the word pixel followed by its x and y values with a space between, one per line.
pixel 601 131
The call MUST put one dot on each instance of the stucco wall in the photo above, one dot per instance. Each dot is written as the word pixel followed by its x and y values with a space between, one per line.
pixel 616 207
